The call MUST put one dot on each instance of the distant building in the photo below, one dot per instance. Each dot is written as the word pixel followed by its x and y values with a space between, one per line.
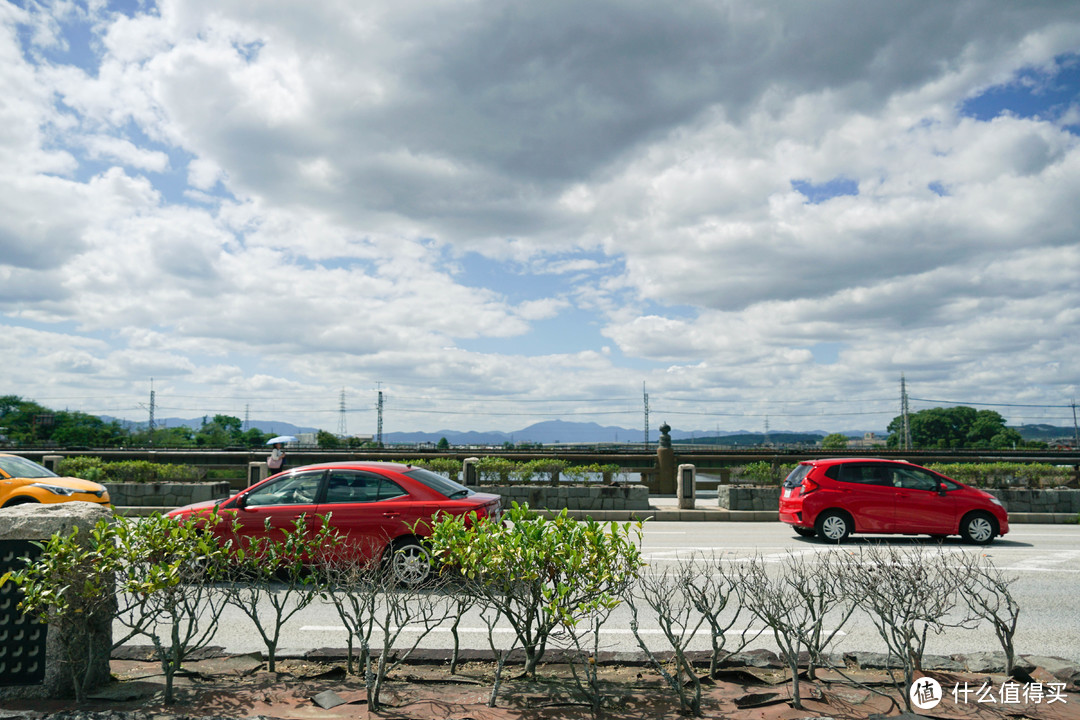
pixel 868 440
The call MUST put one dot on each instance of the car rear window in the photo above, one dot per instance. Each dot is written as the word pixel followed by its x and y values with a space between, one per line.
pixel 795 478
pixel 438 483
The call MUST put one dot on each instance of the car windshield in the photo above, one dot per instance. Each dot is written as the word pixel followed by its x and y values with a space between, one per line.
pixel 438 483
pixel 18 467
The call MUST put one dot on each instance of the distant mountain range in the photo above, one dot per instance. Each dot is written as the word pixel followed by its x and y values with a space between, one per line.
pixel 553 432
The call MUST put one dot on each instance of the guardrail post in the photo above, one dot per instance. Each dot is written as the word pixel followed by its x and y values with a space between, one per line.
pixel 257 472
pixel 686 490
pixel 469 471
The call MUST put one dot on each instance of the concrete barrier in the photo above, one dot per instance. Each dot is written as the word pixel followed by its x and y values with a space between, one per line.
pixel 20 649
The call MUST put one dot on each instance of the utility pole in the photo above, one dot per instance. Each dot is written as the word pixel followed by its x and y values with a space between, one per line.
pixel 378 436
pixel 150 425
pixel 646 416
pixel 1076 434
pixel 904 412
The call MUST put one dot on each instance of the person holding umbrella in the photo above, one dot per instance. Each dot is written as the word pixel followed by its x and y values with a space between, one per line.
pixel 276 462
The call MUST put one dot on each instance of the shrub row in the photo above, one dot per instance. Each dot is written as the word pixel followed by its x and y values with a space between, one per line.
pixel 128 471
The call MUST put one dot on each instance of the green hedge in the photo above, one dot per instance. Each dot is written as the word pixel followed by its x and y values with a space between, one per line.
pixel 128 471
pixel 1035 475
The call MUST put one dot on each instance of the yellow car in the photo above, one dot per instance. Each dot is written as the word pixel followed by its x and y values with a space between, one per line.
pixel 24 481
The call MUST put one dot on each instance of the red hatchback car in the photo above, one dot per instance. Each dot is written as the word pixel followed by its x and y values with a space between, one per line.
pixel 835 498
pixel 375 505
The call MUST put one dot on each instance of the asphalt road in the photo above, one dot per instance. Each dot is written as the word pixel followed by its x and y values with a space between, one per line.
pixel 1045 559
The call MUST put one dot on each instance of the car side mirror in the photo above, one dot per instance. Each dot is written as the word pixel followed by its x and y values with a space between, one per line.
pixel 942 489
pixel 241 502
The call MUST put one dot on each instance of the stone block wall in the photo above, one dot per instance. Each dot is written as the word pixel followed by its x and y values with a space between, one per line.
pixel 599 497
pixel 166 494
pixel 1027 500
pixel 734 497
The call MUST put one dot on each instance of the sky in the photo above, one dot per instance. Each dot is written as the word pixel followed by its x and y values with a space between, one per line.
pixel 760 214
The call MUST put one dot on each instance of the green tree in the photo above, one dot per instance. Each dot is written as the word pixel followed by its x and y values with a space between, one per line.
pixel 327 440
pixel 444 444
pixel 954 428
pixel 222 431
pixel 834 441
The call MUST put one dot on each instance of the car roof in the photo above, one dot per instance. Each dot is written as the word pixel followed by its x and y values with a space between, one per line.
pixel 344 464
pixel 840 461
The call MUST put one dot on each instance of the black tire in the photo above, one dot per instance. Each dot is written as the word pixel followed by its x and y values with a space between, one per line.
pixel 833 526
pixel 409 562
pixel 20 500
pixel 978 528
pixel 805 532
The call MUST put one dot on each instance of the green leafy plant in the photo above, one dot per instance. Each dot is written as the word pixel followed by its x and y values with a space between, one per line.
pixel 538 574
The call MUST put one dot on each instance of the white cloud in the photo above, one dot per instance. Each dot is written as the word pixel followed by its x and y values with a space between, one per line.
pixel 309 197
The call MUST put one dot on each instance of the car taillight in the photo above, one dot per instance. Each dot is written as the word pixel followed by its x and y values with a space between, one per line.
pixel 808 486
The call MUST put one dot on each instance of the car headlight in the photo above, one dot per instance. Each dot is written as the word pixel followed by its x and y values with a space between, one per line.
pixel 996 501
pixel 56 489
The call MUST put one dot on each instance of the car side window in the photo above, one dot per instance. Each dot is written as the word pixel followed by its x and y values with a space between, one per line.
pixel 389 490
pixel 865 474
pixel 300 488
pixel 914 479
pixel 351 486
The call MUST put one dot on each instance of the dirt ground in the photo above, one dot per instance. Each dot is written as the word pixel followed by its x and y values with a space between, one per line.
pixel 241 687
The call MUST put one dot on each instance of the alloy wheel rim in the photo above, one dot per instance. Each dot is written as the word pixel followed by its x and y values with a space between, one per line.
pixel 980 529
pixel 411 565
pixel 834 528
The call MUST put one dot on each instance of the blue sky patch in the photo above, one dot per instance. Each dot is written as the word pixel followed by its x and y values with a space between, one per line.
pixel 1033 93
pixel 819 193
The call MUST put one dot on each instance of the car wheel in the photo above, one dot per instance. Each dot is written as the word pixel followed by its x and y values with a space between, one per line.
pixel 833 526
pixel 978 528
pixel 410 562
pixel 21 500
pixel 805 532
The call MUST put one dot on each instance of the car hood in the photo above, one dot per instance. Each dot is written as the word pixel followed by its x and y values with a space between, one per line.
pixel 68 482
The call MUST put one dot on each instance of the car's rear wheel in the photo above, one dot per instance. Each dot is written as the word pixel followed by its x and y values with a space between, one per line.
pixel 805 532
pixel 833 526
pixel 410 562
pixel 978 528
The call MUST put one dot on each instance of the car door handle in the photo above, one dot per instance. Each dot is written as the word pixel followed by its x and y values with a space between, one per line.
pixel 390 514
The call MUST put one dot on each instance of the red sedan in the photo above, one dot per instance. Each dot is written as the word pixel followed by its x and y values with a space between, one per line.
pixel 380 508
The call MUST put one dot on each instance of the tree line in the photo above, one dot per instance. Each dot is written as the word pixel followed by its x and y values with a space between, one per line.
pixel 29 424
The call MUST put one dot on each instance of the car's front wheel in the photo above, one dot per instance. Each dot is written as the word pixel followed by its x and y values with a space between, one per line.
pixel 833 526
pixel 410 562
pixel 978 528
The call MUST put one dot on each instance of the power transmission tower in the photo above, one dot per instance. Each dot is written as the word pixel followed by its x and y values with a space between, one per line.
pixel 150 425
pixel 766 429
pixel 904 412
pixel 378 437
pixel 646 416
pixel 342 431
pixel 247 417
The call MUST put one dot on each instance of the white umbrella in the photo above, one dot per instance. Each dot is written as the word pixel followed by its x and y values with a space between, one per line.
pixel 281 439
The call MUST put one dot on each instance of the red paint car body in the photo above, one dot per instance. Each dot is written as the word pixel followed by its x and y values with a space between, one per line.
pixel 837 497
pixel 381 509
